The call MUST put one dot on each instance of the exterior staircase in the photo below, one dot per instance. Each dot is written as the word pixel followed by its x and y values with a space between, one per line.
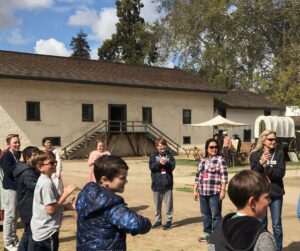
pixel 137 137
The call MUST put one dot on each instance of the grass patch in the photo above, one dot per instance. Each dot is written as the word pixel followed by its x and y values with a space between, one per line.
pixel 187 162
pixel 186 188
pixel 290 163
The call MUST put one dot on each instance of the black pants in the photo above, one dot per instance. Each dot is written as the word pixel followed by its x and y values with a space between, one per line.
pixel 50 244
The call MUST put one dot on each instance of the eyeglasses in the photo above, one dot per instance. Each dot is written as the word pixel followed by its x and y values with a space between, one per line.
pixel 271 139
pixel 213 147
pixel 52 163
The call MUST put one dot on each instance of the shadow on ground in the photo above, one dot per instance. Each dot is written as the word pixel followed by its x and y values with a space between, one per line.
pixel 67 239
pixel 294 246
pixel 139 208
pixel 186 221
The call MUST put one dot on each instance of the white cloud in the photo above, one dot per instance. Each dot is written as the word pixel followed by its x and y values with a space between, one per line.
pixel 148 12
pixel 83 17
pixel 31 4
pixel 102 24
pixel 94 53
pixel 7 9
pixel 51 47
pixel 16 37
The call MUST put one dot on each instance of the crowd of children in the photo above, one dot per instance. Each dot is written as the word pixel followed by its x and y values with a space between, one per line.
pixel 32 185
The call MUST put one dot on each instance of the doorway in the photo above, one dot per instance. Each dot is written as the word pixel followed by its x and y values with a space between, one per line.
pixel 118 116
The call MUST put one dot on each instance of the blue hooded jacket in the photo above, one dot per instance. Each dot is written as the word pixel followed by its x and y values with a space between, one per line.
pixel 104 219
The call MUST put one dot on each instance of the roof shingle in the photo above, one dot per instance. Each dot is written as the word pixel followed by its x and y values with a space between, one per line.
pixel 246 99
pixel 53 68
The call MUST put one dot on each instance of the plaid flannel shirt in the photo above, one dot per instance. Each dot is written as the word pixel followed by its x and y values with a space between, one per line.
pixel 211 176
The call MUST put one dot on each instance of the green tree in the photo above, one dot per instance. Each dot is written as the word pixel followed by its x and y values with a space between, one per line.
pixel 133 41
pixel 80 46
pixel 232 43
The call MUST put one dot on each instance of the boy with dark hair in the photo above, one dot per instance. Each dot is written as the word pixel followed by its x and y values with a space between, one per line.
pixel 161 165
pixel 249 192
pixel 103 217
pixel 26 176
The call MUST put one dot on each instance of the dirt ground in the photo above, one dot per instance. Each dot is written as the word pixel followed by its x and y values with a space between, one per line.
pixel 187 223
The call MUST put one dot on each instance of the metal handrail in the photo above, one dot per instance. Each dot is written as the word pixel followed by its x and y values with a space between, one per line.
pixel 84 136
pixel 121 125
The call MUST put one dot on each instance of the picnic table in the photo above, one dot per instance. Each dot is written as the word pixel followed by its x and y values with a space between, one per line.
pixel 196 152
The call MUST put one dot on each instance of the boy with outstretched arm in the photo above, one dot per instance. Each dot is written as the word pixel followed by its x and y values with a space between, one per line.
pixel 103 217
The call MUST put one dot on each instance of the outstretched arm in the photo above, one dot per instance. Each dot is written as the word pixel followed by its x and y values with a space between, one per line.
pixel 130 221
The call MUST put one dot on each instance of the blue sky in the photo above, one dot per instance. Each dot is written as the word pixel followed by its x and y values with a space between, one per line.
pixel 47 26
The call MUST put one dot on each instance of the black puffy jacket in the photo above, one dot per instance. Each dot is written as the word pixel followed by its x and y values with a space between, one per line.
pixel 26 177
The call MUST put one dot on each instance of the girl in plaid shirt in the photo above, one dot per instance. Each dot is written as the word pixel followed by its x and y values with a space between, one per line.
pixel 210 184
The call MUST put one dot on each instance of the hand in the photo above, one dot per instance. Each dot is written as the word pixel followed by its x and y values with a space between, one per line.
pixel 163 160
pixel 71 204
pixel 68 189
pixel 196 195
pixel 222 194
pixel 265 157
pixel 58 176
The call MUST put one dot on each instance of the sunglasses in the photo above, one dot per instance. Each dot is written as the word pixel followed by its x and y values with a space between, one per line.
pixel 213 147
pixel 271 139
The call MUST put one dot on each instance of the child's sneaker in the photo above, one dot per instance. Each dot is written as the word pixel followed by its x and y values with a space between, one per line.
pixel 10 247
pixel 167 226
pixel 156 225
pixel 203 239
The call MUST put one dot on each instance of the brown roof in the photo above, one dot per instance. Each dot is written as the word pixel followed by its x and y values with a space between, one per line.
pixel 41 67
pixel 245 99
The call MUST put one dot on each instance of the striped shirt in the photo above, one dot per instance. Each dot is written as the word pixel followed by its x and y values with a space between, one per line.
pixel 210 176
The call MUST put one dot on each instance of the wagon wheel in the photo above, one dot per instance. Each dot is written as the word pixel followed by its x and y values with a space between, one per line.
pixel 293 147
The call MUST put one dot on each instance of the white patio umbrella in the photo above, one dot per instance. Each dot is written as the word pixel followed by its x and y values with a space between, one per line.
pixel 220 121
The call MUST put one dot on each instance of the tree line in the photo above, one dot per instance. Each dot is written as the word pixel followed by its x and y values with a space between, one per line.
pixel 230 43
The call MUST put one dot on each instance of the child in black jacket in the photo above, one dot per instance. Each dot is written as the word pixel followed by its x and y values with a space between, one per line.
pixel 26 176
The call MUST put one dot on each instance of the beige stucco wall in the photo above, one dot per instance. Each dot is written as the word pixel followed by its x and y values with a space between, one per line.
pixel 60 106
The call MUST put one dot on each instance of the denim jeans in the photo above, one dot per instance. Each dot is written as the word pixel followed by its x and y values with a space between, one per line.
pixel 26 243
pixel 275 209
pixel 298 209
pixel 211 207
pixel 50 244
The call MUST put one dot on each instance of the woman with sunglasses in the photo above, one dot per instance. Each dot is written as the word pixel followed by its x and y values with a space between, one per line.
pixel 270 162
pixel 210 184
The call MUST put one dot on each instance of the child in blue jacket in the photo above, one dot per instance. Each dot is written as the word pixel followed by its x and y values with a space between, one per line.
pixel 103 217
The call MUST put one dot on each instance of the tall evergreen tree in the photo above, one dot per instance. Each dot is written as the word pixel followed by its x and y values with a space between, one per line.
pixel 80 46
pixel 132 43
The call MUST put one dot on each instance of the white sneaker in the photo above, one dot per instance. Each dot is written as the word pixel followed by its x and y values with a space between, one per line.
pixel 11 247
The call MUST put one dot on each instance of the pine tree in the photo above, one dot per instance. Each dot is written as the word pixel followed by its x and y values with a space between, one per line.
pixel 80 46
pixel 132 43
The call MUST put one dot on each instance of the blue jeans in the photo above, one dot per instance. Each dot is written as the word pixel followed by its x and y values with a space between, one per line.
pixel 275 209
pixel 26 243
pixel 50 244
pixel 298 209
pixel 211 207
